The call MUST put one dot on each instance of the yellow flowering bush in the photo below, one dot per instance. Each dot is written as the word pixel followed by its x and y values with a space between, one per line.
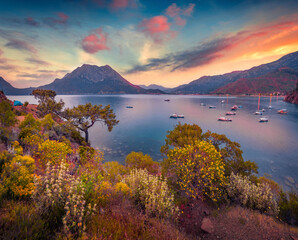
pixel 197 170
pixel 53 152
pixel 18 176
pixel 151 193
pixel 123 188
pixel 140 160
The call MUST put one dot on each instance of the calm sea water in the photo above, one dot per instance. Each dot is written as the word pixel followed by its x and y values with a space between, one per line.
pixel 273 145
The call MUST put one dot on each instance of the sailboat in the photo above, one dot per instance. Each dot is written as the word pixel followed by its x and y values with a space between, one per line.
pixel 258 112
pixel 270 101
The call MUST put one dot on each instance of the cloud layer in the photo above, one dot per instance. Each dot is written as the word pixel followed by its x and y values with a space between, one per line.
pixel 97 41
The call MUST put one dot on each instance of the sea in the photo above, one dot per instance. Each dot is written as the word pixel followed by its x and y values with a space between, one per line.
pixel 273 145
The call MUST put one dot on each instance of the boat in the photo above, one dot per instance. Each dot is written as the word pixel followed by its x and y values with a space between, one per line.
pixel 167 100
pixel 175 115
pixel 129 106
pixel 282 111
pixel 258 113
pixel 230 113
pixel 222 101
pixel 234 108
pixel 212 107
pixel 263 110
pixel 240 106
pixel 263 119
pixel 203 104
pixel 224 119
pixel 270 107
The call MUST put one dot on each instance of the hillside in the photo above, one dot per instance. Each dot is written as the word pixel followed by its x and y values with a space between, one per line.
pixel 8 89
pixel 209 84
pixel 281 80
pixel 155 86
pixel 91 79
pixel 293 96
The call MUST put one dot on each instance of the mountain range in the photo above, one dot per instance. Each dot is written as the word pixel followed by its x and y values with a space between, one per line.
pixel 280 75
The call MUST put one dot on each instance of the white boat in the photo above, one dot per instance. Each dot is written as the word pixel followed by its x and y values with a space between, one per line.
pixel 263 119
pixel 212 107
pixel 234 108
pixel 175 115
pixel 222 101
pixel 270 107
pixel 258 113
pixel 224 119
pixel 203 104
pixel 230 113
pixel 263 110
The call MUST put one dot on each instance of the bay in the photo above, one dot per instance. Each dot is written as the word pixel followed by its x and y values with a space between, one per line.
pixel 273 145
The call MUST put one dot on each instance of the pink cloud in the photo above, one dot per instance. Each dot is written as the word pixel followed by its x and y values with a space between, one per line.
pixel 157 28
pixel 120 3
pixel 188 11
pixel 180 21
pixel 173 10
pixel 97 41
pixel 62 17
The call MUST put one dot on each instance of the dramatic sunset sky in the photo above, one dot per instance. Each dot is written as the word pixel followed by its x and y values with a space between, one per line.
pixel 147 41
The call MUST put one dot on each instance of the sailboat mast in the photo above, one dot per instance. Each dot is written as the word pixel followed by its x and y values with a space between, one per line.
pixel 270 98
pixel 259 102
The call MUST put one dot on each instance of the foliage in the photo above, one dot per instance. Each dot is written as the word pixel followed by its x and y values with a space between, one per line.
pixel 47 103
pixel 254 196
pixel 26 103
pixel 197 170
pixel 7 119
pixel 30 122
pixel 29 127
pixel 53 152
pixel 18 175
pixel 84 116
pixel 47 122
pixel 186 134
pixel 288 206
pixel 60 198
pixel 114 171
pixel 231 154
pixel 17 148
pixel 151 193
pixel 5 158
pixel 139 160
pixel 181 136
pixel 7 116
pixel 87 153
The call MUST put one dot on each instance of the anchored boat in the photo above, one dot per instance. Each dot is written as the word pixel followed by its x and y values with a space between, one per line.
pixel 224 119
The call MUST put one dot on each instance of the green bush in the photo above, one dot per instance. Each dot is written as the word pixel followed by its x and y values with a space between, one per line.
pixel 113 171
pixel 139 160
pixel 254 196
pixel 151 193
pixel 288 207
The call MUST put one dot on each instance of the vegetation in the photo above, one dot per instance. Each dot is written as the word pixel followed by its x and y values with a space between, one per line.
pixel 7 119
pixel 54 186
pixel 84 116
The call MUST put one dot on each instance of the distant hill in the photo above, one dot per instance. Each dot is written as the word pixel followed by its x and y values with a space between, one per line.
pixel 8 89
pixel 282 80
pixel 87 79
pixel 209 84
pixel 155 86
pixel 91 79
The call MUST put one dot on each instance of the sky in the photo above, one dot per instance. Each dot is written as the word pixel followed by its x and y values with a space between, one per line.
pixel 147 41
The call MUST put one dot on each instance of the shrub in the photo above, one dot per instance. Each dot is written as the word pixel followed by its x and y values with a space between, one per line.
pixel 255 196
pixel 151 193
pixel 113 171
pixel 139 160
pixel 196 170
pixel 26 103
pixel 5 158
pixel 18 176
pixel 53 152
pixel 288 205
pixel 60 199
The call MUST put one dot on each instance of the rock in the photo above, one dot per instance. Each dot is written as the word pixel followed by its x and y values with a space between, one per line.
pixel 207 225
pixel 290 179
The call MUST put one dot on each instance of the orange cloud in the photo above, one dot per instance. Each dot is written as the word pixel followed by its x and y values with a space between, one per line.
pixel 95 42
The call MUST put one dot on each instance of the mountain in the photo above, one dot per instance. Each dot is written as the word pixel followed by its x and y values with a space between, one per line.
pixel 155 86
pixel 208 84
pixel 8 89
pixel 293 96
pixel 282 80
pixel 91 79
